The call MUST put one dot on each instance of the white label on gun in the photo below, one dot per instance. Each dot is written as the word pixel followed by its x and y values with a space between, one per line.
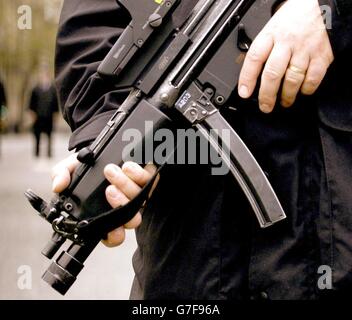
pixel 183 100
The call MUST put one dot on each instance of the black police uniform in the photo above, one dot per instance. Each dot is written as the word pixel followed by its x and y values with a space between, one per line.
pixel 198 239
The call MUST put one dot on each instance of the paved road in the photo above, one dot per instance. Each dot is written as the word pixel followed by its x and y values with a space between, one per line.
pixel 108 272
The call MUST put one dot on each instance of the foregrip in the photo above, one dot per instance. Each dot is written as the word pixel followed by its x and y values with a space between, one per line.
pixel 135 135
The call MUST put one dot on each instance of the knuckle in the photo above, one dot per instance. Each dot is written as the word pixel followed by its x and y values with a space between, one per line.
pixel 138 175
pixel 114 196
pixel 330 58
pixel 120 180
pixel 254 56
pixel 265 100
pixel 288 37
pixel 326 56
pixel 246 77
pixel 288 97
pixel 313 81
pixel 270 73
pixel 324 52
pixel 292 80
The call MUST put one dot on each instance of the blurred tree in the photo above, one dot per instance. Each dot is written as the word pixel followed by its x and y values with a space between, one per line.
pixel 23 50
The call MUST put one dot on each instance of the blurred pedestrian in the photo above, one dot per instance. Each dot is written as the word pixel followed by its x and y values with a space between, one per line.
pixel 43 105
pixel 2 107
pixel 2 95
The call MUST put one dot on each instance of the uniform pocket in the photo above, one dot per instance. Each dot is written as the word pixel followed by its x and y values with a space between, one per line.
pixel 336 112
pixel 335 97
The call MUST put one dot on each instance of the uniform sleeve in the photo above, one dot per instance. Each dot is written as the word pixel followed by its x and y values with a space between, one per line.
pixel 87 31
pixel 340 30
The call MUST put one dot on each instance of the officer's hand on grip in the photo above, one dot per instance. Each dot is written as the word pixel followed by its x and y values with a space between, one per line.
pixel 295 52
pixel 126 183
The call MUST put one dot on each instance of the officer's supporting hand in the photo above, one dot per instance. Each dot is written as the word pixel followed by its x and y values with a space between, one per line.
pixel 294 50
pixel 126 183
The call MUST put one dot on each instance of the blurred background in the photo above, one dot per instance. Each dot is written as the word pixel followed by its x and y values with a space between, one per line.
pixel 29 147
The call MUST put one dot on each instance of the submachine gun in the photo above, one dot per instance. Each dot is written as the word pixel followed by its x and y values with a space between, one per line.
pixel 181 60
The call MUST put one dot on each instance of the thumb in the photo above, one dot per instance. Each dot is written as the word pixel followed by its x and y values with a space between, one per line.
pixel 61 173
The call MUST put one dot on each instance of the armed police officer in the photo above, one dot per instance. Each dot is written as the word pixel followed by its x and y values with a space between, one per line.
pixel 205 245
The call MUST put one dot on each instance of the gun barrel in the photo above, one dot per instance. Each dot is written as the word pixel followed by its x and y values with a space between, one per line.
pixel 63 272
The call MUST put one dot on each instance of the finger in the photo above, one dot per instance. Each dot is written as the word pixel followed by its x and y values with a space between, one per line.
pixel 273 73
pixel 315 75
pixel 134 222
pixel 61 173
pixel 136 173
pixel 253 64
pixel 115 237
pixel 141 176
pixel 151 168
pixel 116 177
pixel 294 78
pixel 116 198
